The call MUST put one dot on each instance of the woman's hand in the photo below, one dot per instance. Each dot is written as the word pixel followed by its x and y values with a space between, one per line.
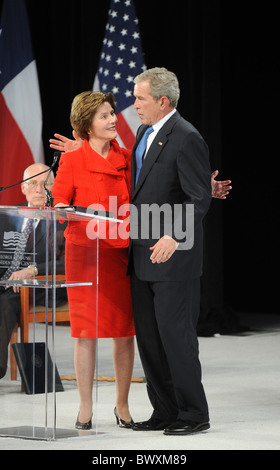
pixel 63 144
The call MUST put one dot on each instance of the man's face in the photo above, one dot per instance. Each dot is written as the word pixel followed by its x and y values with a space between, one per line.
pixel 34 188
pixel 148 109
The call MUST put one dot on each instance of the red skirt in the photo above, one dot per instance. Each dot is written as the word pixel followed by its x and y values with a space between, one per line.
pixel 105 312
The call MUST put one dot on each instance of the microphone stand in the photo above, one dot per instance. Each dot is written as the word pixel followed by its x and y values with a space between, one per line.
pixel 49 200
pixel 3 188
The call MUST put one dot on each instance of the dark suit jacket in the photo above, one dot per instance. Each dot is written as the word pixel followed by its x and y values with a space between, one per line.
pixel 176 171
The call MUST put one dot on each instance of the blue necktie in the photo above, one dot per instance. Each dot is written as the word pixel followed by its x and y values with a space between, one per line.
pixel 140 151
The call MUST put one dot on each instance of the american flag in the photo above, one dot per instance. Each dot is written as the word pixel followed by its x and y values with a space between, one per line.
pixel 121 60
pixel 20 103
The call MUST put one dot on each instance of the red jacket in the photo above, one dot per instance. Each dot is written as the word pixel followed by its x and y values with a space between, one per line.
pixel 84 178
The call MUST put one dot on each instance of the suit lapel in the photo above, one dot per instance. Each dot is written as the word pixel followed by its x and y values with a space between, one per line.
pixel 151 157
pixel 154 151
pixel 139 135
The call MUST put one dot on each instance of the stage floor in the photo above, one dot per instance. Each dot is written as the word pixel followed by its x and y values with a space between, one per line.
pixel 241 376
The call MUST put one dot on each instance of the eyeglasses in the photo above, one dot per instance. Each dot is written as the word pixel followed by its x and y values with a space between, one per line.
pixel 34 184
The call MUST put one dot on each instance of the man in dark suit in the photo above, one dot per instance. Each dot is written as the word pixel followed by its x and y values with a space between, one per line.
pixel 10 230
pixel 165 272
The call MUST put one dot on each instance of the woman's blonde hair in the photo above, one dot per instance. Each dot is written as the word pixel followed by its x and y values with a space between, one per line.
pixel 84 107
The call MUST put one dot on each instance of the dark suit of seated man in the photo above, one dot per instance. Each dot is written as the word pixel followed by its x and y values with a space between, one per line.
pixel 9 234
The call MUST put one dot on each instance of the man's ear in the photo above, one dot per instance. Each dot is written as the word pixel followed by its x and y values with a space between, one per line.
pixel 164 102
pixel 23 189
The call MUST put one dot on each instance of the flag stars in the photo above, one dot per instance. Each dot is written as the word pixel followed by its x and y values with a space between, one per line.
pixel 121 58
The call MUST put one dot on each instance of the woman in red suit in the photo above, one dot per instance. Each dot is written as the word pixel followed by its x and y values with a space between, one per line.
pixel 88 176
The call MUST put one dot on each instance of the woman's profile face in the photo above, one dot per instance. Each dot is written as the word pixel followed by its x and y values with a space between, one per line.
pixel 104 122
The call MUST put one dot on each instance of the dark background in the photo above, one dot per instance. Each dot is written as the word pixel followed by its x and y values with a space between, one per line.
pixel 225 55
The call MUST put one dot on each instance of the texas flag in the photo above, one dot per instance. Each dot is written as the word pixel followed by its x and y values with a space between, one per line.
pixel 120 61
pixel 20 104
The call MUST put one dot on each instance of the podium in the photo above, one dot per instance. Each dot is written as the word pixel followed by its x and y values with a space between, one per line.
pixel 38 358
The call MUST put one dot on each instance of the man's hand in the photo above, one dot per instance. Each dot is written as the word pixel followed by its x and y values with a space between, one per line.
pixel 220 189
pixel 163 249
pixel 26 273
pixel 63 144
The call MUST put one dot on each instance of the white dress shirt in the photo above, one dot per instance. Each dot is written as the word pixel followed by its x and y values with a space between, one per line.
pixel 157 126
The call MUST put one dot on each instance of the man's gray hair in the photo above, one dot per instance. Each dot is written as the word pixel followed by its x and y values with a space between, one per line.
pixel 163 83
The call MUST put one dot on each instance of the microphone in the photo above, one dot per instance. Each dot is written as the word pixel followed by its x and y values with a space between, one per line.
pixel 49 200
pixel 55 159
